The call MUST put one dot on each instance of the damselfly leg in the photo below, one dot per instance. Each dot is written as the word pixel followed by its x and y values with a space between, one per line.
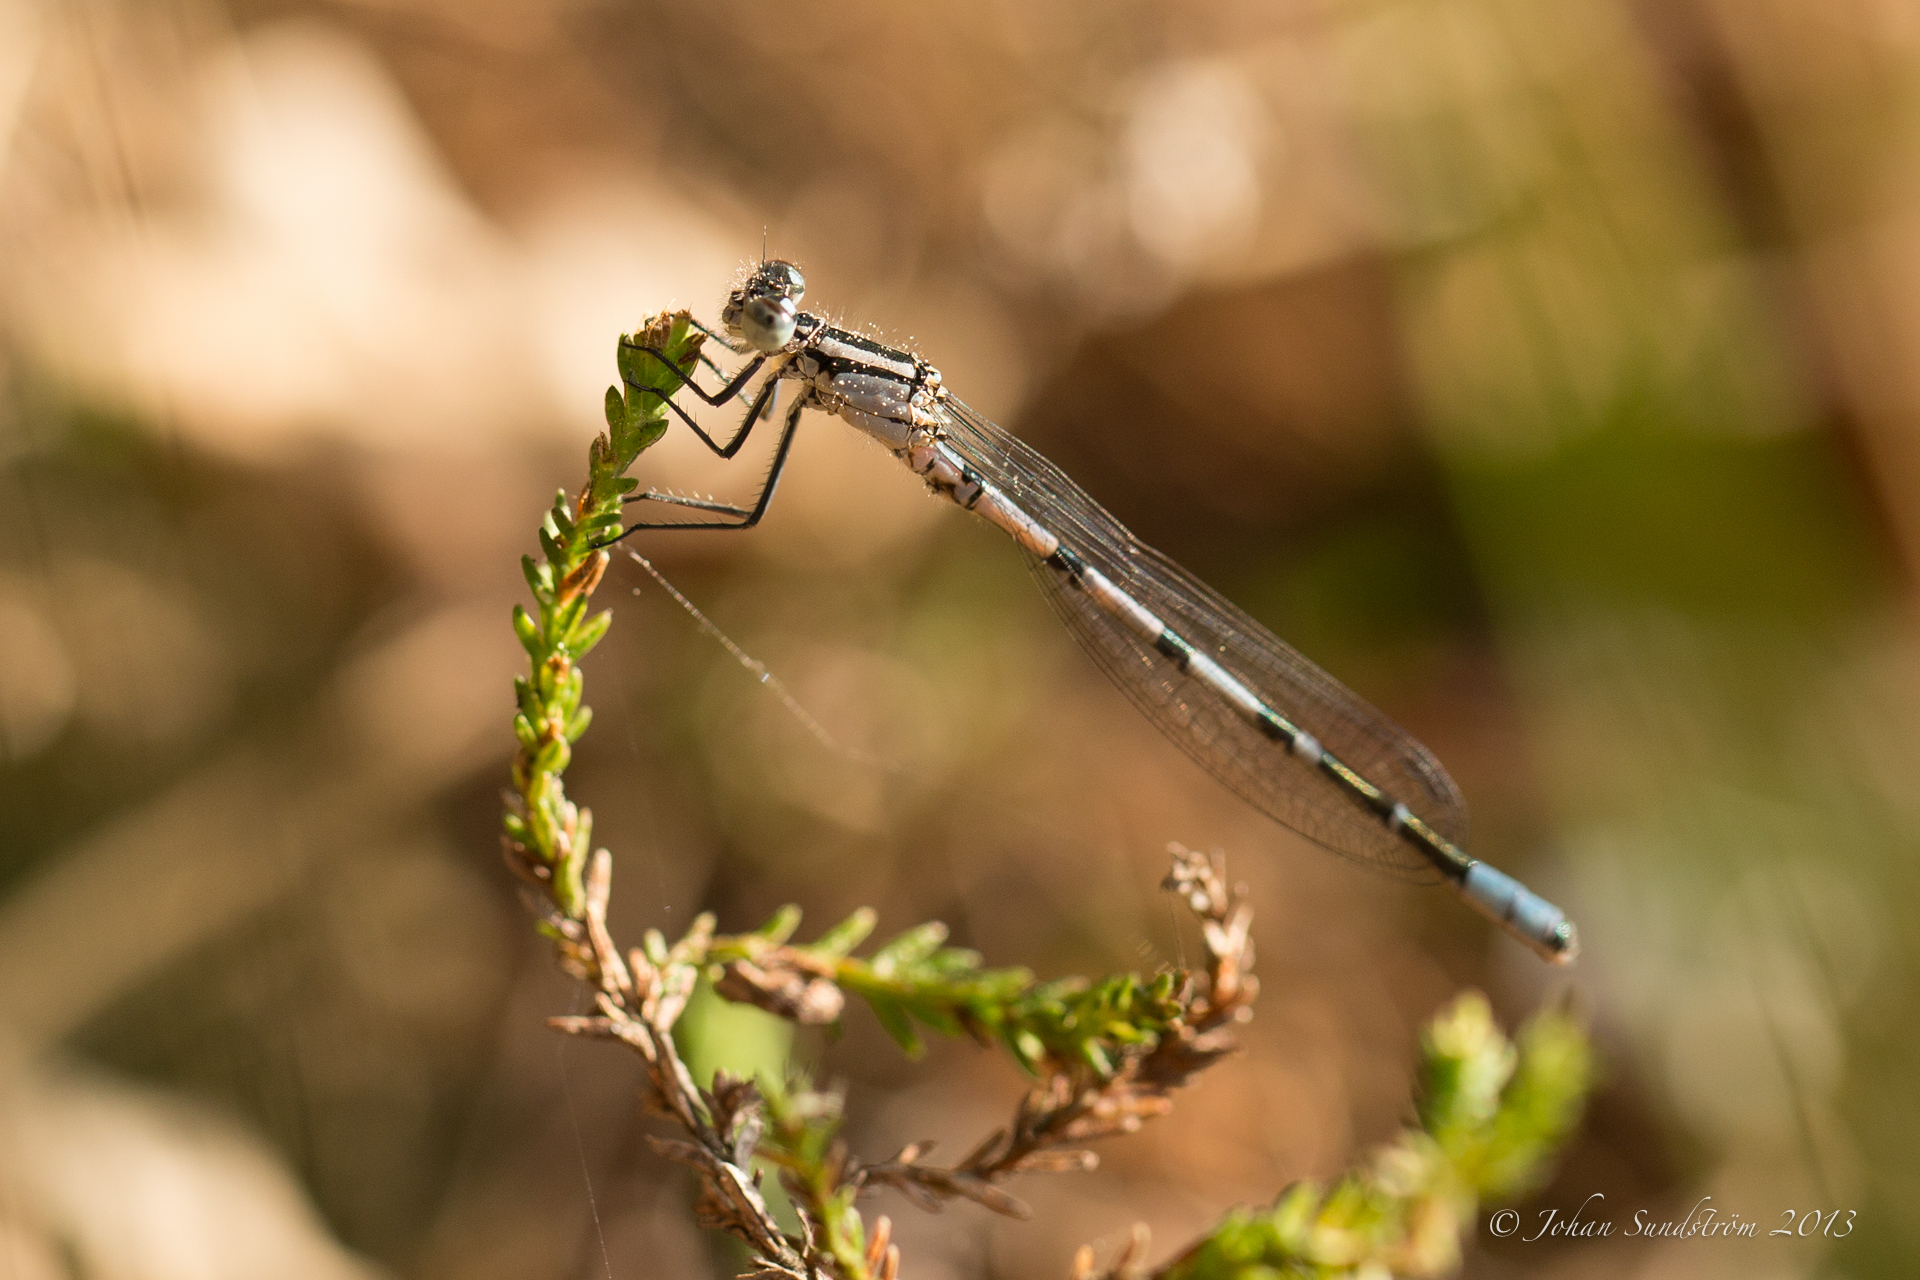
pixel 762 401
pixel 737 347
pixel 717 398
pixel 747 517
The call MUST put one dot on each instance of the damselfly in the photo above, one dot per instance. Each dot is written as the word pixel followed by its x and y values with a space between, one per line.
pixel 1289 738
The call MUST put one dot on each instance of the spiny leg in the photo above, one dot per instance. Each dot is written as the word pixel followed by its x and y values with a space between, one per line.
pixel 680 500
pixel 734 345
pixel 748 518
pixel 762 401
pixel 718 398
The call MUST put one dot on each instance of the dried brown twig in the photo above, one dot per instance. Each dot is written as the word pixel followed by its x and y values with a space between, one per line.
pixel 639 998
pixel 1076 1105
pixel 638 1002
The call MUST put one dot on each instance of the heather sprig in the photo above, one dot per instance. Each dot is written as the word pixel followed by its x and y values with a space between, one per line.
pixel 547 836
pixel 914 978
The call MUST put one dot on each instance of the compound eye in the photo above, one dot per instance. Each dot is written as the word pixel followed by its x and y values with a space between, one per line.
pixel 786 278
pixel 767 323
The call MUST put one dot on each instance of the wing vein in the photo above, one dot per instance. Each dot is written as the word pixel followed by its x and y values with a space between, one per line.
pixel 1262 771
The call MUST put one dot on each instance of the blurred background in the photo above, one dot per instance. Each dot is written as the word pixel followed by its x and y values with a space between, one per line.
pixel 1549 373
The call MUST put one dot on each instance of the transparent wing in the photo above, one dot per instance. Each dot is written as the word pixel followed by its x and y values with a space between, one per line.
pixel 1263 772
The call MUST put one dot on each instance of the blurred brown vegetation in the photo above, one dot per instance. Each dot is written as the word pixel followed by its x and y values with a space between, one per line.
pixel 1551 373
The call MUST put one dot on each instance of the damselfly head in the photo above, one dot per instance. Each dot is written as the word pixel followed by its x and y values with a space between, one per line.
pixel 767 323
pixel 777 277
pixel 763 308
